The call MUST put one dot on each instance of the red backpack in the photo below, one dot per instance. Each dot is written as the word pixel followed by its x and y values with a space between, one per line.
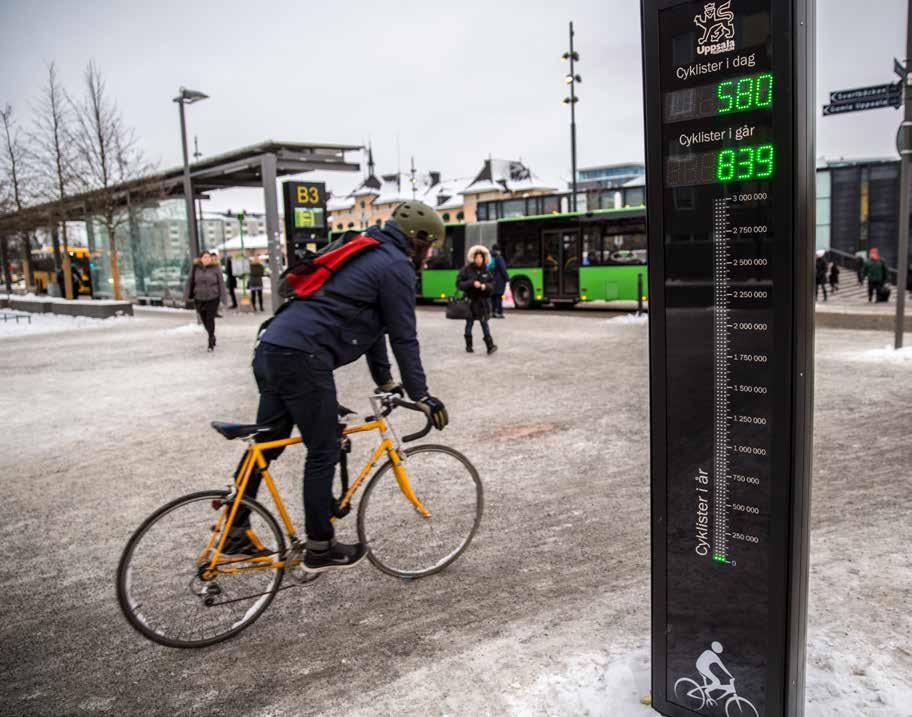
pixel 308 276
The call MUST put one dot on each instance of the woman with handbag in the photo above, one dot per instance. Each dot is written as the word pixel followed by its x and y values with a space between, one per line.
pixel 206 288
pixel 477 283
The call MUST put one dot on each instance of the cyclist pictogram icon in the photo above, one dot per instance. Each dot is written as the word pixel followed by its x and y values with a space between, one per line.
pixel 713 692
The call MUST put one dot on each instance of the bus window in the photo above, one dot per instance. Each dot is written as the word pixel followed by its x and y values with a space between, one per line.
pixel 624 249
pixel 592 251
pixel 442 256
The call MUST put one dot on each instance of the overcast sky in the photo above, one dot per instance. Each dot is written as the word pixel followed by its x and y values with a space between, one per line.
pixel 449 83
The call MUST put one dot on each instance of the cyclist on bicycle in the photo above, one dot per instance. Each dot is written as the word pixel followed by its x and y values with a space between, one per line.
pixel 711 682
pixel 371 297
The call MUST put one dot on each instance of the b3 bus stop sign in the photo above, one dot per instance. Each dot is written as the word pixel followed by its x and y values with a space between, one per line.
pixel 730 163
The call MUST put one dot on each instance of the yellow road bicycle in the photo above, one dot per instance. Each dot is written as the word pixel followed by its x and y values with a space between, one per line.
pixel 419 512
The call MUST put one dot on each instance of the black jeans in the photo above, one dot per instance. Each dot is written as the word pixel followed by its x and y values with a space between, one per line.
pixel 873 286
pixel 497 303
pixel 207 310
pixel 233 298
pixel 297 389
pixel 484 327
pixel 254 295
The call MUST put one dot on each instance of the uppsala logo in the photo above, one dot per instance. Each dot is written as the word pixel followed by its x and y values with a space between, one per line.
pixel 697 696
pixel 718 25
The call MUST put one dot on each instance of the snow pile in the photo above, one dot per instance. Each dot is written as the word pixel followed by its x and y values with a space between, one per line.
pixel 46 299
pixel 887 354
pixel 589 684
pixel 630 319
pixel 43 324
pixel 185 329
pixel 595 684
pixel 160 309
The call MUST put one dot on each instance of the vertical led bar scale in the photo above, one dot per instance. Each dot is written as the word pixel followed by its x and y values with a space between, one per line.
pixel 722 412
pixel 728 91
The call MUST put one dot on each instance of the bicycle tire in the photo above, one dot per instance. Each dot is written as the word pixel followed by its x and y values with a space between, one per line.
pixel 376 480
pixel 695 687
pixel 123 578
pixel 742 704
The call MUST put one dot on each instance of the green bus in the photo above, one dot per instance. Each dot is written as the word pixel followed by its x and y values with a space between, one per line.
pixel 552 258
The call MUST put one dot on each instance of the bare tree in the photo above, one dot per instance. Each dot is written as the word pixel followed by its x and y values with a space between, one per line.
pixel 109 158
pixel 53 149
pixel 14 169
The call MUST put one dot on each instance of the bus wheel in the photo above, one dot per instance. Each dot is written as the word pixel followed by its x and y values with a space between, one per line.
pixel 523 298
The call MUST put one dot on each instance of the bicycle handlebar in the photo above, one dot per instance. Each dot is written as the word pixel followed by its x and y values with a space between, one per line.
pixel 413 407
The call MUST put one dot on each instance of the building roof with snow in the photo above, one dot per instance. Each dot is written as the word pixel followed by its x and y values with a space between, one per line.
pixel 506 175
pixel 251 241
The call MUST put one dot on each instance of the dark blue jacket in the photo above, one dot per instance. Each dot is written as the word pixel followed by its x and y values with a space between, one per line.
pixel 371 295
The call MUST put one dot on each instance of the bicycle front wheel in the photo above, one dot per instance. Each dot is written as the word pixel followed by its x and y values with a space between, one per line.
pixel 166 588
pixel 403 542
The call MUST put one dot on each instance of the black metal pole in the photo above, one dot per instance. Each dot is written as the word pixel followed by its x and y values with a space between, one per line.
pixel 188 189
pixel 4 258
pixel 902 267
pixel 639 294
pixel 572 118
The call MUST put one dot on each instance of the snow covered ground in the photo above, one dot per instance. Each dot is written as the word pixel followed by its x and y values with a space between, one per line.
pixel 546 614
pixel 884 354
pixel 42 324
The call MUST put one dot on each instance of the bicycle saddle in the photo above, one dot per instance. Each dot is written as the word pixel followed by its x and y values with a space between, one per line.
pixel 232 430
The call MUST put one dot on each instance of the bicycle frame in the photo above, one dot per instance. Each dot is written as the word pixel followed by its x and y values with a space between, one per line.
pixel 390 446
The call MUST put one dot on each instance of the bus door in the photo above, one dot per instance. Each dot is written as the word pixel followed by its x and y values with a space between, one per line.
pixel 561 264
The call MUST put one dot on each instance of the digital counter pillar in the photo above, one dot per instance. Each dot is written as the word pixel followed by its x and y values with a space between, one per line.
pixel 730 196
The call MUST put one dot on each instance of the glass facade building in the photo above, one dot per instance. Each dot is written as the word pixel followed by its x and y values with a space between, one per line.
pixel 153 252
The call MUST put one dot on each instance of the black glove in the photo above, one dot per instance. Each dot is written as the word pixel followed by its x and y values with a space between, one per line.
pixel 434 408
pixel 391 387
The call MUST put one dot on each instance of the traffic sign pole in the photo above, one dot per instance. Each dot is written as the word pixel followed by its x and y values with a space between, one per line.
pixel 902 270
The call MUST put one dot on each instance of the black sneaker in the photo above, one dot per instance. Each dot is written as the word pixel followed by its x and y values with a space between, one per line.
pixel 339 556
pixel 238 544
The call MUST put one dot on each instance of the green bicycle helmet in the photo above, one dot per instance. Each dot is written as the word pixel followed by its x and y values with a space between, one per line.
pixel 415 219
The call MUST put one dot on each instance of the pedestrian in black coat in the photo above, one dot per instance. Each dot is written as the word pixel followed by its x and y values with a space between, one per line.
pixel 820 270
pixel 834 277
pixel 231 282
pixel 477 283
pixel 501 277
pixel 206 288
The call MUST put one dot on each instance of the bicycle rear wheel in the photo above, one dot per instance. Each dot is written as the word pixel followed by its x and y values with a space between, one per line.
pixel 162 585
pixel 401 541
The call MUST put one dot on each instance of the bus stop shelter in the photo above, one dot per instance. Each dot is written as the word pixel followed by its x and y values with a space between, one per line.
pixel 258 165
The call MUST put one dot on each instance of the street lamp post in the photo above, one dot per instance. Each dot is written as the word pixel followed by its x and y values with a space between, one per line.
pixel 571 79
pixel 188 97
pixel 199 201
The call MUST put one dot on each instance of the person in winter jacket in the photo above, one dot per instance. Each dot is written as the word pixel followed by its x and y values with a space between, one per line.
pixel 206 288
pixel 834 278
pixel 477 283
pixel 231 283
pixel 501 276
pixel 875 269
pixel 255 282
pixel 820 271
pixel 369 298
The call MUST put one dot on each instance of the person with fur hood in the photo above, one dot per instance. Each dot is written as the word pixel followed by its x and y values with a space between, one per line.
pixel 477 283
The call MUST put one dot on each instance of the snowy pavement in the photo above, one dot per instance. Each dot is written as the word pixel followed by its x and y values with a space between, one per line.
pixel 547 613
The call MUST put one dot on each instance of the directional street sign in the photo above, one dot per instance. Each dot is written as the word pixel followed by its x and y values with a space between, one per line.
pixel 863 93
pixel 894 100
pixel 865 98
